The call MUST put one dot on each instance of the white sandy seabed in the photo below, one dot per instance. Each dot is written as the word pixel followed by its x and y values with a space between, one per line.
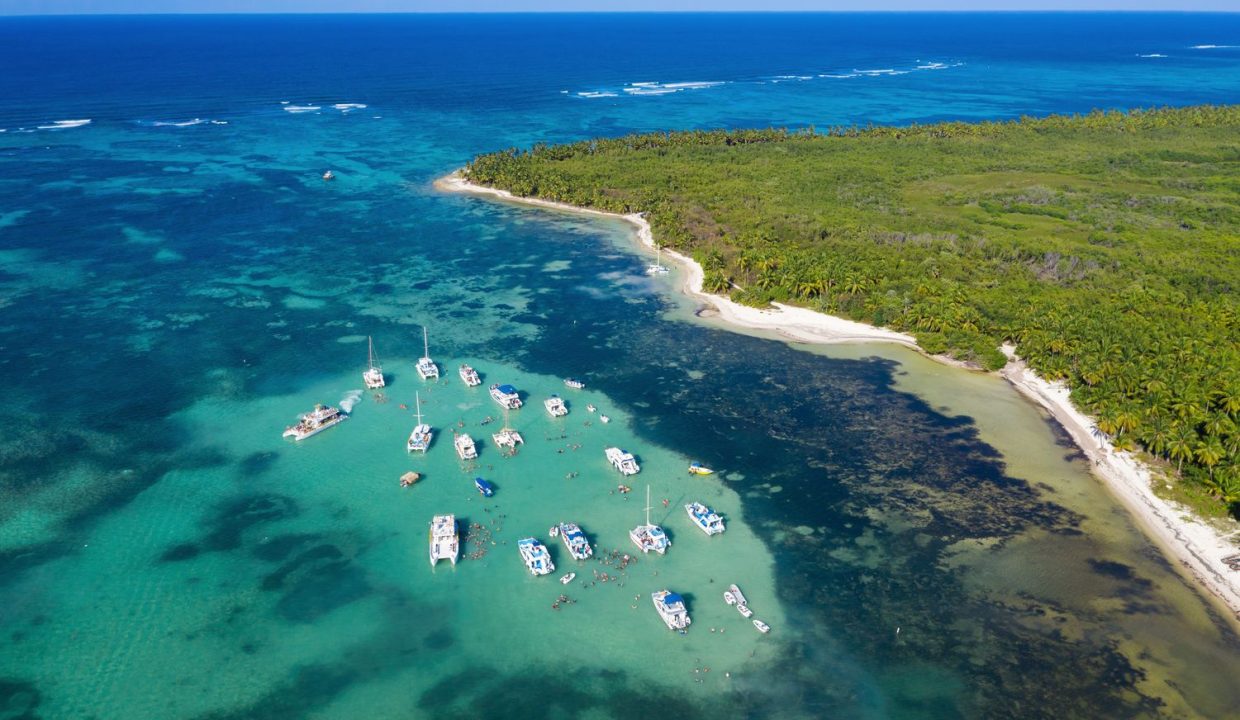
pixel 1199 547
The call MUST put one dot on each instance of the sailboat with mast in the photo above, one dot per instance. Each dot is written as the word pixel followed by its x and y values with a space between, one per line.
pixel 658 268
pixel 650 536
pixel 420 438
pixel 373 376
pixel 507 438
pixel 427 367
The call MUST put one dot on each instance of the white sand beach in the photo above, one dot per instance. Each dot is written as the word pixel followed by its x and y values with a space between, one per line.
pixel 1197 546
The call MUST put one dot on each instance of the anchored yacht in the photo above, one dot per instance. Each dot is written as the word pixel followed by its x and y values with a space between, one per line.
pixel 314 422
pixel 507 396
pixel 536 557
pixel 465 447
pixel 671 607
pixel 470 376
pixel 575 540
pixel 623 461
pixel 445 542
pixel 427 367
pixel 420 438
pixel 649 536
pixel 555 405
pixel 706 519
pixel 373 375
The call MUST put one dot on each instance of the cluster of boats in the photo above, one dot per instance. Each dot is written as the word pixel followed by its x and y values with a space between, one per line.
pixel 444 537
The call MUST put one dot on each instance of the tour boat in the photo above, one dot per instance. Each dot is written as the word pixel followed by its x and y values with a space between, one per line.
pixel 465 447
pixel 699 469
pixel 314 422
pixel 762 627
pixel 574 384
pixel 427 367
pixel 373 376
pixel 649 536
pixel 470 376
pixel 555 405
pixel 567 578
pixel 444 540
pixel 622 461
pixel 536 557
pixel 657 268
pixel 507 396
pixel 575 540
pixel 507 437
pixel 706 519
pixel 420 438
pixel 484 487
pixel 671 607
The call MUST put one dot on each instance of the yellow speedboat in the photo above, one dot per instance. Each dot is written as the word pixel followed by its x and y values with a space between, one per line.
pixel 699 469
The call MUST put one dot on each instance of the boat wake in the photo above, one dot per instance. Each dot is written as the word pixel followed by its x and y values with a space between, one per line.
pixel 350 399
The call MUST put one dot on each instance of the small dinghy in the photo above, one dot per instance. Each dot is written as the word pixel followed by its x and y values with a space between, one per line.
pixel 762 627
pixel 554 531
pixel 567 578
pixel 409 478
pixel 728 597
pixel 574 384
pixel 604 418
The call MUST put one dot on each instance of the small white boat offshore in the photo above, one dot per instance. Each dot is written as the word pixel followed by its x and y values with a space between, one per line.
pixel 469 376
pixel 507 396
pixel 649 536
pixel 699 469
pixel 445 541
pixel 465 447
pixel 744 610
pixel 420 438
pixel 622 461
pixel 555 405
pixel 574 384
pixel 329 175
pixel 762 627
pixel 671 607
pixel 657 268
pixel 536 557
pixel 604 418
pixel 427 367
pixel 707 520
pixel 737 594
pixel 315 422
pixel 373 375
pixel 567 578
pixel 591 407
pixel 728 597
pixel 575 540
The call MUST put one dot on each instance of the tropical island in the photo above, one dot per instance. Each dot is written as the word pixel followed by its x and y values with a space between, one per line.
pixel 1104 248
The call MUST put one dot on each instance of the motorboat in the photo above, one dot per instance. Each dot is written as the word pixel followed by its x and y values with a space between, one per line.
pixel 622 461
pixel 372 377
pixel 762 627
pixel 707 520
pixel 536 557
pixel 574 384
pixel 445 541
pixel 671 608
pixel 507 396
pixel 484 487
pixel 699 469
pixel 604 418
pixel 736 593
pixel 744 610
pixel 465 447
pixel 315 422
pixel 555 405
pixel 470 376
pixel 575 540
pixel 427 367
pixel 568 578
pixel 728 597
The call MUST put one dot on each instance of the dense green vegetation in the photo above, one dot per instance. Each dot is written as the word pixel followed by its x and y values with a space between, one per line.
pixel 1105 246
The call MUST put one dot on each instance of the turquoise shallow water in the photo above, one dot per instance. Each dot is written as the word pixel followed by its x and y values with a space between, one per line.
pixel 173 293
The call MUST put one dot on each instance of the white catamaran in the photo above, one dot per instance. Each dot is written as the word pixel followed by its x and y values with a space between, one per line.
pixel 649 536
pixel 373 376
pixel 420 438
pixel 658 268
pixel 427 367
pixel 445 542
pixel 507 437
pixel 315 422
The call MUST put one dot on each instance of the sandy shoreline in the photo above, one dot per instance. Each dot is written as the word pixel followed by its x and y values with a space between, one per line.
pixel 1199 547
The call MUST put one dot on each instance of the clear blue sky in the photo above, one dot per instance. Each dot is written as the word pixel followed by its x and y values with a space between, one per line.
pixel 40 7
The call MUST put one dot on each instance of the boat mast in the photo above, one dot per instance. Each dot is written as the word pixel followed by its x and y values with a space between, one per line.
pixel 647 506
pixel 426 343
pixel 417 400
pixel 371 355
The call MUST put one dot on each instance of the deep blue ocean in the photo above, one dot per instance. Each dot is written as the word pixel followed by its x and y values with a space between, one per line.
pixel 177 284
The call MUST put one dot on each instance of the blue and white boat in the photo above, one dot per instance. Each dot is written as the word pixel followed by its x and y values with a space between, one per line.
pixel 706 519
pixel 576 541
pixel 671 608
pixel 484 487
pixel 536 557
pixel 507 396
